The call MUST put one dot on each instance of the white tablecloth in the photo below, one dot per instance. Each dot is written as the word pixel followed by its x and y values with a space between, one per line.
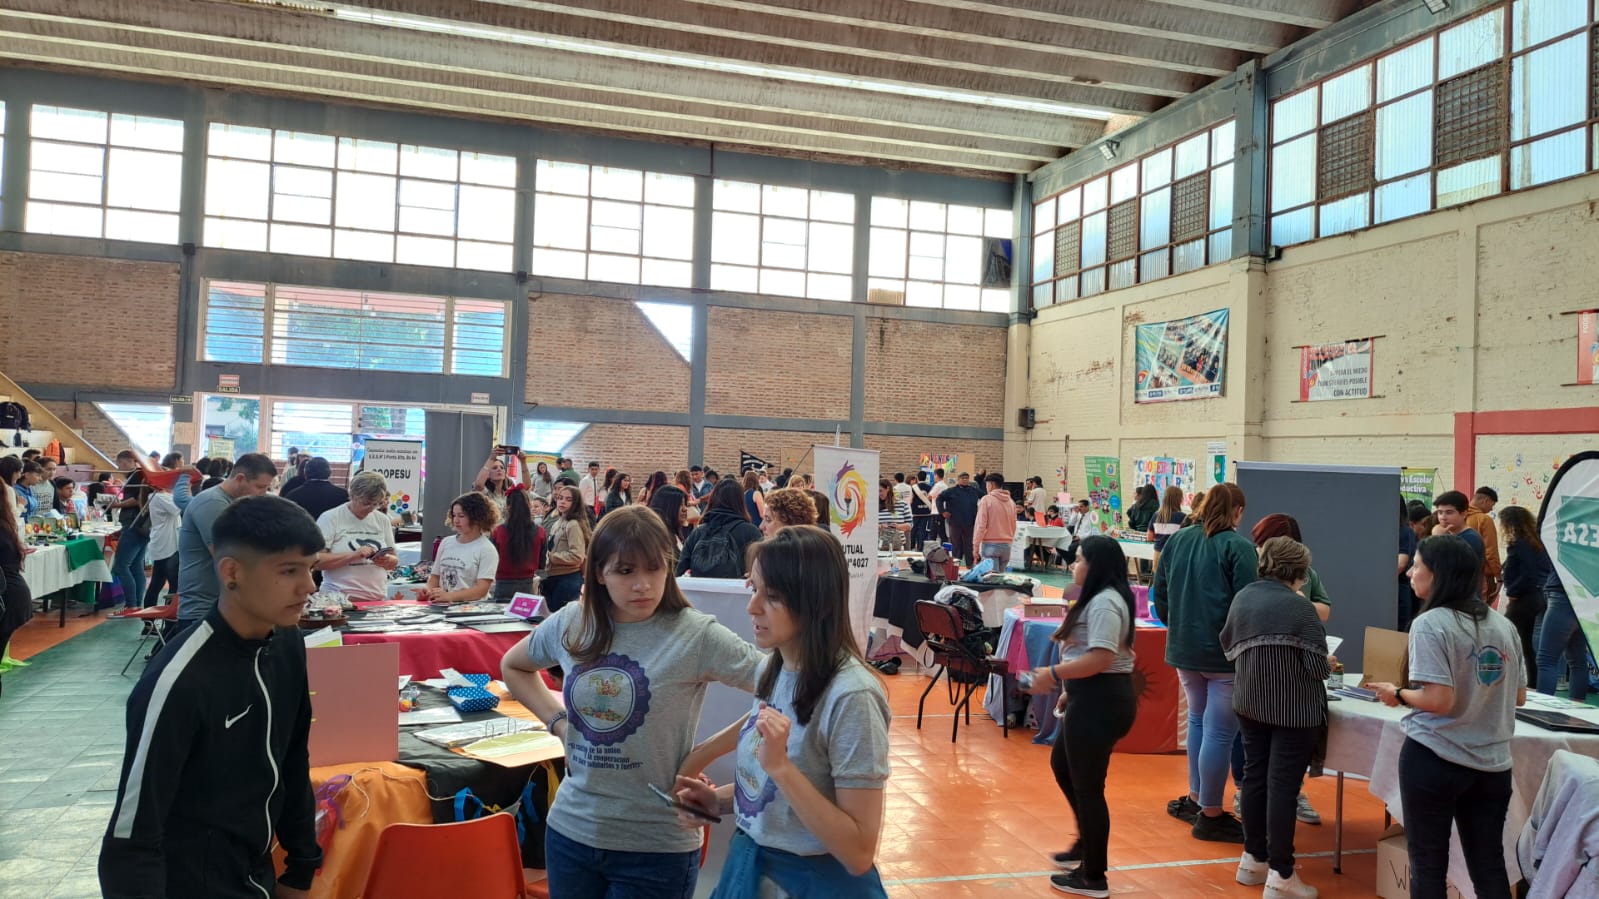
pixel 1365 738
pixel 46 570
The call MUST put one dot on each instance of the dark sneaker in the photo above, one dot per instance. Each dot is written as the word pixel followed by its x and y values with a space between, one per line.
pixel 1223 828
pixel 1068 860
pixel 1183 809
pixel 1075 883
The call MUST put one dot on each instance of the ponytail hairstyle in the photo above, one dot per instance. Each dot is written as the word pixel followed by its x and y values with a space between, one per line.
pixel 520 528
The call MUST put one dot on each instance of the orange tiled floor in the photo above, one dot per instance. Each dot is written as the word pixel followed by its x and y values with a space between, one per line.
pixel 44 631
pixel 980 817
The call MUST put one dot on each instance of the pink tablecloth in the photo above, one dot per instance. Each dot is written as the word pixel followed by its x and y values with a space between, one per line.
pixel 465 650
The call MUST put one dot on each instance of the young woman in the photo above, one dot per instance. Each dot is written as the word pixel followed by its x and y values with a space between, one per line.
pixel 1169 518
pixel 893 517
pixel 1142 513
pixel 1525 569
pixel 686 484
pixel 165 520
pixel 520 544
pixel 812 758
pixel 1279 525
pixel 716 548
pixel 542 483
pixel 1466 679
pixel 1561 636
pixel 463 568
pixel 621 493
pixel 1275 637
pixel 357 533
pixel 656 482
pixel 16 601
pixel 1095 668
pixel 672 505
pixel 568 549
pixel 787 507
pixel 637 661
pixel 603 493
pixel 491 478
pixel 1200 572
pixel 754 497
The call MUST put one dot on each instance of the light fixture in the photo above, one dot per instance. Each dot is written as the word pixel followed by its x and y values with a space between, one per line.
pixel 1108 148
pixel 1436 6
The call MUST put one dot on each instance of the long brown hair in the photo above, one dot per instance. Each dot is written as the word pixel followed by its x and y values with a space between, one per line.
pixel 1223 502
pixel 574 510
pixel 803 568
pixel 1171 505
pixel 1520 527
pixel 635 534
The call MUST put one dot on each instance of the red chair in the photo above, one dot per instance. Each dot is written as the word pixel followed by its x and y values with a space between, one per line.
pixel 478 858
pixel 941 626
pixel 157 616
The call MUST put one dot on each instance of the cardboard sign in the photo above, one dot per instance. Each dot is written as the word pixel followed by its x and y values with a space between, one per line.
pixel 353 703
pixel 525 605
pixel 1387 659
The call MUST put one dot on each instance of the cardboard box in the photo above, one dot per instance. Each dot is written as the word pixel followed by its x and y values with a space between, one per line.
pixel 1038 607
pixel 1393 866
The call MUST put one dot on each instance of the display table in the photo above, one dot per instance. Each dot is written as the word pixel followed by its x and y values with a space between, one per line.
pixel 62 566
pixel 1027 535
pixel 1138 549
pixel 1161 718
pixel 1364 738
pixel 468 651
pixel 894 612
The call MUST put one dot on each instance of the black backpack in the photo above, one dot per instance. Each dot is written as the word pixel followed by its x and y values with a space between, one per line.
pixel 14 416
pixel 716 554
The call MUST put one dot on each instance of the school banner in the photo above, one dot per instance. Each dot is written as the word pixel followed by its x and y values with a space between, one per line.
pixel 1335 371
pixel 400 463
pixel 848 477
pixel 1587 345
pixel 1569 527
pixel 1418 483
pixel 1161 472
pixel 1181 360
pixel 1105 488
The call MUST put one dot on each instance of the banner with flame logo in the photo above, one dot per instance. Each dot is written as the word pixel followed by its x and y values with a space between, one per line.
pixel 848 476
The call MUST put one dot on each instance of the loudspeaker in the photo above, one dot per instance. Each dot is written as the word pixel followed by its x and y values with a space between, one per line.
pixel 1027 418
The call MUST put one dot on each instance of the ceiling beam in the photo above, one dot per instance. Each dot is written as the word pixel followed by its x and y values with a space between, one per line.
pixel 1255 36
pixel 1304 13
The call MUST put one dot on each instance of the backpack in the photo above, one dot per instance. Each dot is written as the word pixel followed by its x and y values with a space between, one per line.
pixel 14 416
pixel 716 555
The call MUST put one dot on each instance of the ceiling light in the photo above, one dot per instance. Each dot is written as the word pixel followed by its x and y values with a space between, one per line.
pixel 1108 148
pixel 1436 6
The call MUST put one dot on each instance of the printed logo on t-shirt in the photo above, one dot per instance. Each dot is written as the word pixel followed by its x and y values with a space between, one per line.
pixel 1490 665
pixel 355 543
pixel 452 574
pixel 608 699
pixel 753 790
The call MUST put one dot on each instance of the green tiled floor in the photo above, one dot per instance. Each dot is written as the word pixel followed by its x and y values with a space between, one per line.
pixel 61 741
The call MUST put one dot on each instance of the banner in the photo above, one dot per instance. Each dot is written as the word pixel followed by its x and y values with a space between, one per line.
pixel 1215 464
pixel 400 463
pixel 1181 360
pixel 1335 371
pixel 933 461
pixel 848 477
pixel 1105 488
pixel 1161 472
pixel 1419 483
pixel 1569 527
pixel 1587 345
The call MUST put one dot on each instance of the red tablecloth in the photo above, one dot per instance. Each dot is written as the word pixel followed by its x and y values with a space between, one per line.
pixel 465 650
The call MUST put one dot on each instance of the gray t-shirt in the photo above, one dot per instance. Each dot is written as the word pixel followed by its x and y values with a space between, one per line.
pixel 198 586
pixel 1103 625
pixel 1482 661
pixel 632 714
pixel 845 746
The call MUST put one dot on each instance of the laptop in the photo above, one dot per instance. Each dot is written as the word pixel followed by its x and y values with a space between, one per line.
pixel 1558 721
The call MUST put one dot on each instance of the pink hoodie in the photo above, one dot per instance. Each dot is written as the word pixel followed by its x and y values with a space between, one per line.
pixel 996 519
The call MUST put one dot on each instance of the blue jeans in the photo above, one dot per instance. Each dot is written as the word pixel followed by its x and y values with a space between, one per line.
pixel 577 871
pixel 999 552
pixel 127 566
pixel 1562 635
pixel 1212 726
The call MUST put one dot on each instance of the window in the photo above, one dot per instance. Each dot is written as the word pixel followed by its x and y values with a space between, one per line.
pixel 321 429
pixel 1165 214
pixel 353 330
pixel 675 322
pixel 99 174
pixel 392 422
pixel 608 224
pixel 766 238
pixel 2 148
pixel 934 254
pixel 148 425
pixel 349 198
pixel 549 436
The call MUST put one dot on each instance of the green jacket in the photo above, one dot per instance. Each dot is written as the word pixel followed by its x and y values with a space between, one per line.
pixel 1195 583
pixel 1314 591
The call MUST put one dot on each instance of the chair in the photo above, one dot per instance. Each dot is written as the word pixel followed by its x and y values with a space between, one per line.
pixel 942 628
pixel 478 858
pixel 157 615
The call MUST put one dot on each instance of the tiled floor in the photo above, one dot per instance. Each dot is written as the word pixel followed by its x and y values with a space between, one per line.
pixel 972 818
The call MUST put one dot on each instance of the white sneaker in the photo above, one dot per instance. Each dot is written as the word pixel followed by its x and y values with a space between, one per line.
pixel 1304 813
pixel 1250 872
pixel 1291 888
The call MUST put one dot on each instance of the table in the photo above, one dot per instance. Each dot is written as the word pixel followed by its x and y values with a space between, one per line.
pixel 466 650
pixel 894 610
pixel 1034 535
pixel 1138 549
pixel 1364 738
pixel 1161 717
pixel 62 566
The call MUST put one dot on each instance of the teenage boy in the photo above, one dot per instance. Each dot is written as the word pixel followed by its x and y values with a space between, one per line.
pixel 216 764
pixel 1450 508
pixel 1480 519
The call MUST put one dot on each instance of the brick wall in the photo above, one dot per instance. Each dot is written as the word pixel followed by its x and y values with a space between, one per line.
pixel 611 357
pixel 784 364
pixel 101 432
pixel 783 448
pixel 638 450
pixel 94 322
pixel 935 373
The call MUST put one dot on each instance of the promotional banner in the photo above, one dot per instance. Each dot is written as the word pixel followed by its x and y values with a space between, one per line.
pixel 400 463
pixel 1587 345
pixel 1569 527
pixel 1419 483
pixel 1335 371
pixel 1105 488
pixel 1215 464
pixel 848 477
pixel 932 461
pixel 1164 471
pixel 1182 359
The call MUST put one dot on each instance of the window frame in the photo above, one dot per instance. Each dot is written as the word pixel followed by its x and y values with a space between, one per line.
pixel 765 221
pixel 104 205
pixel 643 204
pixel 884 282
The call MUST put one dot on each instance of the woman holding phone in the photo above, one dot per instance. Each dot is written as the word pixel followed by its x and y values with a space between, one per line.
pixel 812 758
pixel 637 660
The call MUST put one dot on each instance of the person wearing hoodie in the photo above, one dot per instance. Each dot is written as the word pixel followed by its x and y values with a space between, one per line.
pixel 995 528
pixel 715 548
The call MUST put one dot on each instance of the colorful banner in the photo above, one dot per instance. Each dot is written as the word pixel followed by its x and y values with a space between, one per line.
pixel 1587 345
pixel 1335 371
pixel 1569 527
pixel 400 463
pixel 1183 359
pixel 1419 483
pixel 848 477
pixel 946 461
pixel 1164 471
pixel 1105 488
pixel 1215 464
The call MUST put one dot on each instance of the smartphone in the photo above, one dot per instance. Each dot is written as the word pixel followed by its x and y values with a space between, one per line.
pixel 672 801
pixel 385 551
pixel 506 450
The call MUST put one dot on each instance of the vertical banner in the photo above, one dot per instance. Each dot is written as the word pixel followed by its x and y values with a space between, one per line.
pixel 1418 483
pixel 1569 526
pixel 1335 371
pixel 848 477
pixel 400 463
pixel 1587 345
pixel 1215 464
pixel 1181 360
pixel 1161 472
pixel 1105 488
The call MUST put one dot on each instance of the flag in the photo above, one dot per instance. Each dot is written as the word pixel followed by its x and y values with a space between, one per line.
pixel 747 462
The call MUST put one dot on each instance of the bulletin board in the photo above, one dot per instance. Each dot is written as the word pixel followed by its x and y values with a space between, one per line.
pixel 1520 466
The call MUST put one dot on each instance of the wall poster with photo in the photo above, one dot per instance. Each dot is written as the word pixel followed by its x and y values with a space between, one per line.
pixel 1184 359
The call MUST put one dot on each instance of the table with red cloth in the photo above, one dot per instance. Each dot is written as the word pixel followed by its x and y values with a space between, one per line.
pixel 423 655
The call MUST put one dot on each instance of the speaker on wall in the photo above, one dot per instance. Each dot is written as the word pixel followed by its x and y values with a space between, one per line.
pixel 1026 417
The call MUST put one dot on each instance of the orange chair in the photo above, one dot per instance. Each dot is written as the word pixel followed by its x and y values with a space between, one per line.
pixel 157 616
pixel 477 858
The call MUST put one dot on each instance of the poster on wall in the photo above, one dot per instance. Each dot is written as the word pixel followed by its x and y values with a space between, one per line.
pixel 848 477
pixel 1419 484
pixel 1105 488
pixel 1215 464
pixel 1161 472
pixel 1335 371
pixel 1587 345
pixel 1568 522
pixel 1182 359
pixel 933 461
pixel 400 463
